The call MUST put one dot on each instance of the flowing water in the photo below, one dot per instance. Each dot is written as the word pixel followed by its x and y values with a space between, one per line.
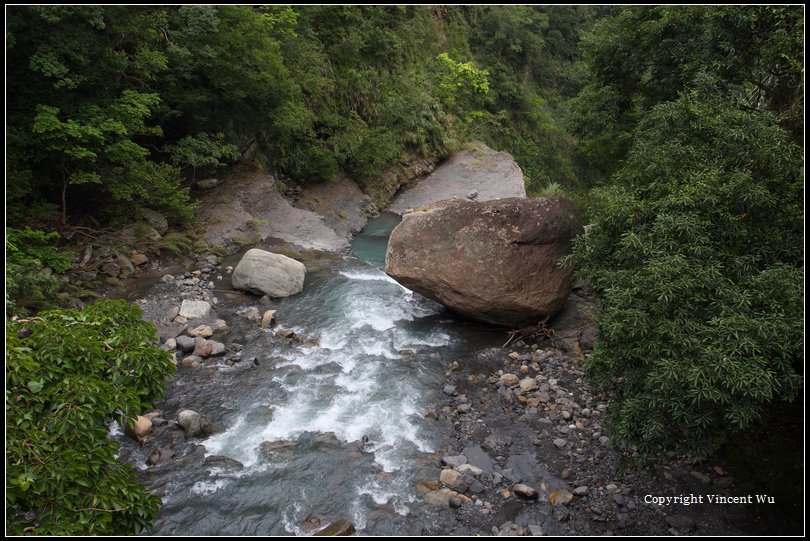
pixel 373 368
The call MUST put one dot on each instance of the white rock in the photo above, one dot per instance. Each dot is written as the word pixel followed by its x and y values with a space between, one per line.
pixel 273 274
pixel 194 309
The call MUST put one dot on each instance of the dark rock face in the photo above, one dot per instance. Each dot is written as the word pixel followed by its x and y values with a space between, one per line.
pixel 494 261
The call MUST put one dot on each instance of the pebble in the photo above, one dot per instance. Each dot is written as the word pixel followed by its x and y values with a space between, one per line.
pixel 525 491
pixel 581 490
pixel 528 385
pixel 560 443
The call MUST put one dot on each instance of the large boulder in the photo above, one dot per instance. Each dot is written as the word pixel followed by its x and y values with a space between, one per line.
pixel 494 261
pixel 274 275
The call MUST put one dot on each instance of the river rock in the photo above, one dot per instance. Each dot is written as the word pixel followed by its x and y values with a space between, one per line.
pixel 274 450
pixel 495 261
pixel 268 318
pixel 220 325
pixel 139 429
pixel 160 456
pixel 223 462
pixel 478 458
pixel 528 384
pixel 339 527
pixel 273 274
pixel 449 477
pixel 125 266
pixel 526 492
pixel 195 425
pixel 202 347
pixel 186 343
pixel 203 331
pixel 560 497
pixel 194 309
pixel 469 468
pixel 192 361
pixel 441 497
pixel 172 313
pixel 217 348
pixel 138 258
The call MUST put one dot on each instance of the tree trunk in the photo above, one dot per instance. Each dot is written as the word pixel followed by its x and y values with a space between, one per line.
pixel 64 201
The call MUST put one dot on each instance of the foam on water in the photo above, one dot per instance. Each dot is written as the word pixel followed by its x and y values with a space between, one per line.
pixel 354 383
pixel 206 488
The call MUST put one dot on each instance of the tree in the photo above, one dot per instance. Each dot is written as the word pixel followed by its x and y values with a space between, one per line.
pixel 79 106
pixel 69 373
pixel 696 256
pixel 644 56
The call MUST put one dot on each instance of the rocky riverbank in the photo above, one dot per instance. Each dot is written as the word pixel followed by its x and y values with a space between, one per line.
pixel 524 449
pixel 532 457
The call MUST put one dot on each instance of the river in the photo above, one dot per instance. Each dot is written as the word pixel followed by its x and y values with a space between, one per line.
pixel 369 367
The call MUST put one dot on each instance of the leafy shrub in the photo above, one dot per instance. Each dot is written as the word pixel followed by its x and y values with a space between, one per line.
pixel 74 373
pixel 28 252
pixel 696 256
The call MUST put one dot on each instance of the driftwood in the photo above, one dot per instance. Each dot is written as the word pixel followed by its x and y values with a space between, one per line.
pixel 532 332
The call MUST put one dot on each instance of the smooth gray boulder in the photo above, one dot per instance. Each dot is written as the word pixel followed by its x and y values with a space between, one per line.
pixel 267 273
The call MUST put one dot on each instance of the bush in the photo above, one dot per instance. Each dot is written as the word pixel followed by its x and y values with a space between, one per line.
pixel 68 374
pixel 28 252
pixel 696 256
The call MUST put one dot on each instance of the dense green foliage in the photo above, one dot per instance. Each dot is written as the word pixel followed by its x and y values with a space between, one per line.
pixel 68 374
pixel 696 248
pixel 28 253
pixel 645 56
pixel 111 107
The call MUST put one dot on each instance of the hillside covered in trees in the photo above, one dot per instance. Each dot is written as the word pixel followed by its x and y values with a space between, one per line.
pixel 110 107
pixel 678 131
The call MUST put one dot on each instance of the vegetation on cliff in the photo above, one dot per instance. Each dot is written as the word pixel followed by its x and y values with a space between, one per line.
pixel 696 249
pixel 111 107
